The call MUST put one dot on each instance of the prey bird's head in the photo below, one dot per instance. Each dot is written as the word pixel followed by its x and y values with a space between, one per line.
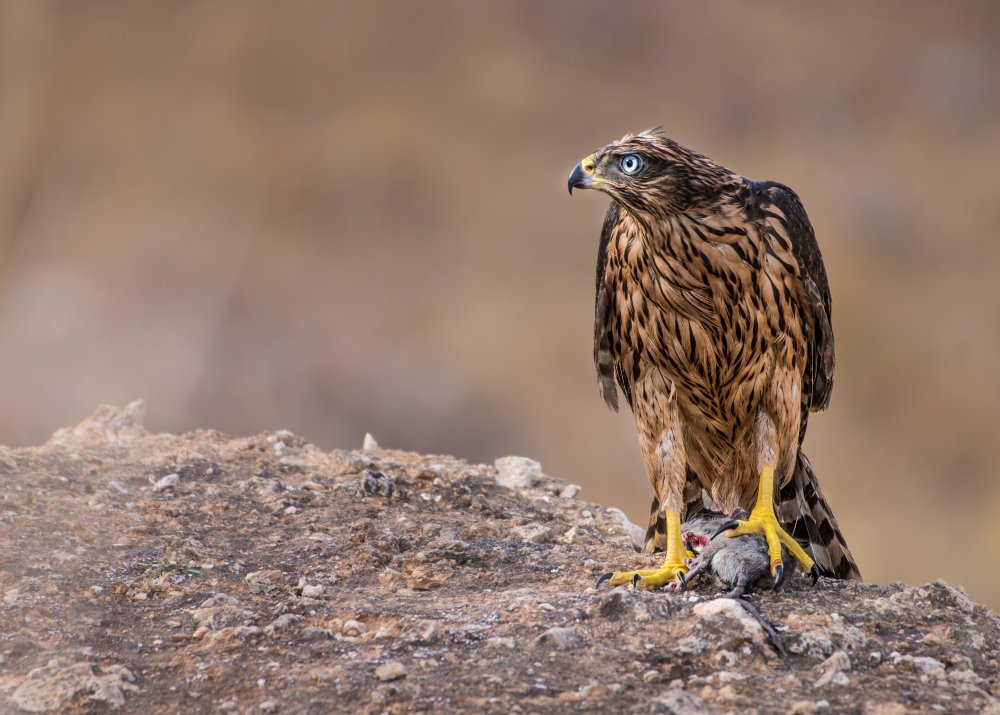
pixel 650 174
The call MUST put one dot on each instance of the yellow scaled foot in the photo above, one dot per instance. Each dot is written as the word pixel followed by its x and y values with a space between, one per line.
pixel 672 570
pixel 763 521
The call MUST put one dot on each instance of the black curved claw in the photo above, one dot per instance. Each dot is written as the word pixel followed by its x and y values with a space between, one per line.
pixel 635 579
pixel 725 526
pixel 604 577
pixel 814 572
pixel 779 576
pixel 683 580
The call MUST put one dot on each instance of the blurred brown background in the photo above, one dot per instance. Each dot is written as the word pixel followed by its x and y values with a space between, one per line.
pixel 340 218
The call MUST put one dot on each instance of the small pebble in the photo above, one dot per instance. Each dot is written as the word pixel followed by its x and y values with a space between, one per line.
pixel 933 639
pixel 168 482
pixel 533 533
pixel 374 482
pixel 393 670
pixel 314 633
pixel 282 623
pixel 313 590
pixel 517 472
pixel 559 638
pixel 833 668
pixel 569 491
pixel 353 628
pixel 431 632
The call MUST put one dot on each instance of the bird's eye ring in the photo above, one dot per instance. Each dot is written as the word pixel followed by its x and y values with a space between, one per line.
pixel 630 163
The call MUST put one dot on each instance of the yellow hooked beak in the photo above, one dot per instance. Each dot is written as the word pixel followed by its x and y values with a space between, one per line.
pixel 583 175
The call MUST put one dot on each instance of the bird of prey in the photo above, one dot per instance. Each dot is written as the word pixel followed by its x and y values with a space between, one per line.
pixel 713 317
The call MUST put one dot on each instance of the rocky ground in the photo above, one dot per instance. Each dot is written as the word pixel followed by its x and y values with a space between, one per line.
pixel 200 573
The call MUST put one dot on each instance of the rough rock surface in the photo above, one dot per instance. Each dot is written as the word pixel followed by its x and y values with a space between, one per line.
pixel 270 576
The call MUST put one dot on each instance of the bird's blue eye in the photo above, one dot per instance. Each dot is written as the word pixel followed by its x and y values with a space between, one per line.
pixel 631 163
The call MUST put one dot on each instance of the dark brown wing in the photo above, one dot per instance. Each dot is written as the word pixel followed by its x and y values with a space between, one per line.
pixel 608 367
pixel 818 379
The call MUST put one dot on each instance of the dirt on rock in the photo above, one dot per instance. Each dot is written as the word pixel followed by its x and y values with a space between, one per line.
pixel 200 573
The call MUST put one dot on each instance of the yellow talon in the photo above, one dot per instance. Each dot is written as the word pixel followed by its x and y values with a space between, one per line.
pixel 673 567
pixel 763 521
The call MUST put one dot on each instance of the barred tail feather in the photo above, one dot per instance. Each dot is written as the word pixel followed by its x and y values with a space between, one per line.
pixel 805 514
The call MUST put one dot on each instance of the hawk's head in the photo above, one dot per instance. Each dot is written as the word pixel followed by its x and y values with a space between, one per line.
pixel 650 174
